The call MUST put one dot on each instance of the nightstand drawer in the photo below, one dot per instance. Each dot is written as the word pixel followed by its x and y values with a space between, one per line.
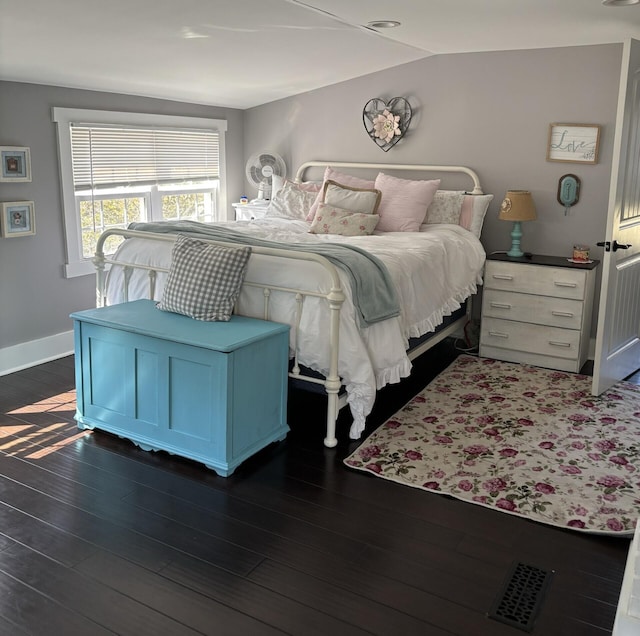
pixel 534 279
pixel 525 337
pixel 540 310
pixel 250 211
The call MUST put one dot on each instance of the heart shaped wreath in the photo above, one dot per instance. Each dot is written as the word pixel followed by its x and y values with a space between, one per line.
pixel 386 122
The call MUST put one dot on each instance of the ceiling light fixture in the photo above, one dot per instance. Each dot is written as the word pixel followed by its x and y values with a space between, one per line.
pixel 389 24
pixel 620 3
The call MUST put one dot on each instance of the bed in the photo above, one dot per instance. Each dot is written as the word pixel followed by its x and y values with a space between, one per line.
pixel 425 241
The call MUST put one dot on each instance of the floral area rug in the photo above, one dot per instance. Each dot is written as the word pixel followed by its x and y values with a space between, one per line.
pixel 519 439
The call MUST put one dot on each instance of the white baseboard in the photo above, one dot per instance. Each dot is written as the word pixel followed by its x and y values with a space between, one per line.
pixel 28 354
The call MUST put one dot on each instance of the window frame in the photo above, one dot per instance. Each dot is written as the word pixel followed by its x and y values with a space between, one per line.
pixel 76 264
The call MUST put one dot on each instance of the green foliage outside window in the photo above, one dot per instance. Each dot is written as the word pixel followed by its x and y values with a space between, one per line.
pixel 98 214
pixel 183 206
pixel 101 214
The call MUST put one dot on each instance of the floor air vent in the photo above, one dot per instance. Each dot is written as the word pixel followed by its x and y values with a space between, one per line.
pixel 521 597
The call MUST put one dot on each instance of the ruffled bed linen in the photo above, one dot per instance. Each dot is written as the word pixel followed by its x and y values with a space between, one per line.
pixel 434 271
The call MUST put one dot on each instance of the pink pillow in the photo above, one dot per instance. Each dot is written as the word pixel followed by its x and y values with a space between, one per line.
pixel 342 179
pixel 404 202
pixel 466 212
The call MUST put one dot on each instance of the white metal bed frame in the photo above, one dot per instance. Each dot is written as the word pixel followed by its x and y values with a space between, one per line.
pixel 332 382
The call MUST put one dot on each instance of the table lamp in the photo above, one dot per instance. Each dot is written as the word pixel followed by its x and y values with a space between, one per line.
pixel 517 207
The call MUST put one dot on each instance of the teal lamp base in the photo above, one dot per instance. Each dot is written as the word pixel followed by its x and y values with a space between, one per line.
pixel 516 235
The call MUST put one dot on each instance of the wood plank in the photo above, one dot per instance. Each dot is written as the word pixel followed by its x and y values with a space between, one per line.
pixel 95 601
pixel 128 520
pixel 100 532
pixel 6 627
pixel 212 600
pixel 27 530
pixel 345 605
pixel 31 611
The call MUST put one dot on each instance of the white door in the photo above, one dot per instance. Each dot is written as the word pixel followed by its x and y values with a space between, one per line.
pixel 618 334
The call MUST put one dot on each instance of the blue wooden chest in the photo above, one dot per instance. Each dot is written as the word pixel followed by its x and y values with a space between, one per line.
pixel 215 392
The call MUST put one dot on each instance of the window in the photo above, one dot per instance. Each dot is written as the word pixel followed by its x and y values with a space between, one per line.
pixel 121 167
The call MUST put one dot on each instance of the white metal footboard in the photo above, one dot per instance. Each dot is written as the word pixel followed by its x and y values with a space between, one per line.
pixel 335 298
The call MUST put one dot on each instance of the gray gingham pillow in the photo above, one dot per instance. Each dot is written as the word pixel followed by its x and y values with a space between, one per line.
pixel 204 279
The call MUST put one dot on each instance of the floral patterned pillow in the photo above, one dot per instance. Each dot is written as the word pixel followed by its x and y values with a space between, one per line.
pixel 332 220
pixel 292 201
pixel 445 207
pixel 457 207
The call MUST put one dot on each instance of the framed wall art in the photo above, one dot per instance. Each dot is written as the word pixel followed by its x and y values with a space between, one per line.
pixel 18 219
pixel 16 163
pixel 573 143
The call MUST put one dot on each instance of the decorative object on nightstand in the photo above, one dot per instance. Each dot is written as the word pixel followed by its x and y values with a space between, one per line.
pixel 537 310
pixel 517 206
pixel 261 169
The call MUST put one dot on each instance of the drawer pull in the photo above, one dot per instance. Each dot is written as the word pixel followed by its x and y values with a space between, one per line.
pixel 498 334
pixel 561 284
pixel 501 305
pixel 502 277
pixel 555 343
pixel 562 314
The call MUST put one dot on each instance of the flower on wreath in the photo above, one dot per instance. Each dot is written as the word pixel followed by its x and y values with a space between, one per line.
pixel 386 125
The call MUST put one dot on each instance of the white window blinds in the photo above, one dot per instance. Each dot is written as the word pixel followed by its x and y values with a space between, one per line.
pixel 114 156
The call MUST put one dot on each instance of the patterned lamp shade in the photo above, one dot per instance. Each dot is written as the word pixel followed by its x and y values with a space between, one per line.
pixel 517 206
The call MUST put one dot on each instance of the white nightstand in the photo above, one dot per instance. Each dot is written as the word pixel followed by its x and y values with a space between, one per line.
pixel 537 310
pixel 250 211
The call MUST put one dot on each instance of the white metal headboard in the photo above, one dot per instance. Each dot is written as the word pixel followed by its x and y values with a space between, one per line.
pixel 477 189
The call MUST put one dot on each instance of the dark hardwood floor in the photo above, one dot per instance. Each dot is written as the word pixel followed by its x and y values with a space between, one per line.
pixel 98 537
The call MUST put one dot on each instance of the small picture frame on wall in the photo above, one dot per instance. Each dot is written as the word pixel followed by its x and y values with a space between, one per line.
pixel 573 143
pixel 18 219
pixel 16 163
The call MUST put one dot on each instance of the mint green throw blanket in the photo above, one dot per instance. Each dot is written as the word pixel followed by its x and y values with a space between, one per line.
pixel 372 289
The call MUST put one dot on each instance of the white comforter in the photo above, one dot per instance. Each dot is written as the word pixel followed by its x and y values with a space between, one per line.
pixel 433 270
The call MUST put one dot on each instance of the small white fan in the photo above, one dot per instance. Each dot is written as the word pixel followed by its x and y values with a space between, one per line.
pixel 260 170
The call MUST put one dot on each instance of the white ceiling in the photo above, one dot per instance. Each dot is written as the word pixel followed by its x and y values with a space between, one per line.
pixel 243 53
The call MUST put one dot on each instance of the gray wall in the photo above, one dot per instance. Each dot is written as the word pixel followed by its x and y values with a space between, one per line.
pixel 489 111
pixel 35 298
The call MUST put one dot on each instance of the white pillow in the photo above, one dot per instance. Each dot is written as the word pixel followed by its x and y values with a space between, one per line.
pixel 276 184
pixel 342 179
pixel 479 206
pixel 348 198
pixel 404 202
pixel 292 201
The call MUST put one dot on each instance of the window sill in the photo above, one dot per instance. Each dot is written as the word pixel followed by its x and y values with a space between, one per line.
pixel 78 268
